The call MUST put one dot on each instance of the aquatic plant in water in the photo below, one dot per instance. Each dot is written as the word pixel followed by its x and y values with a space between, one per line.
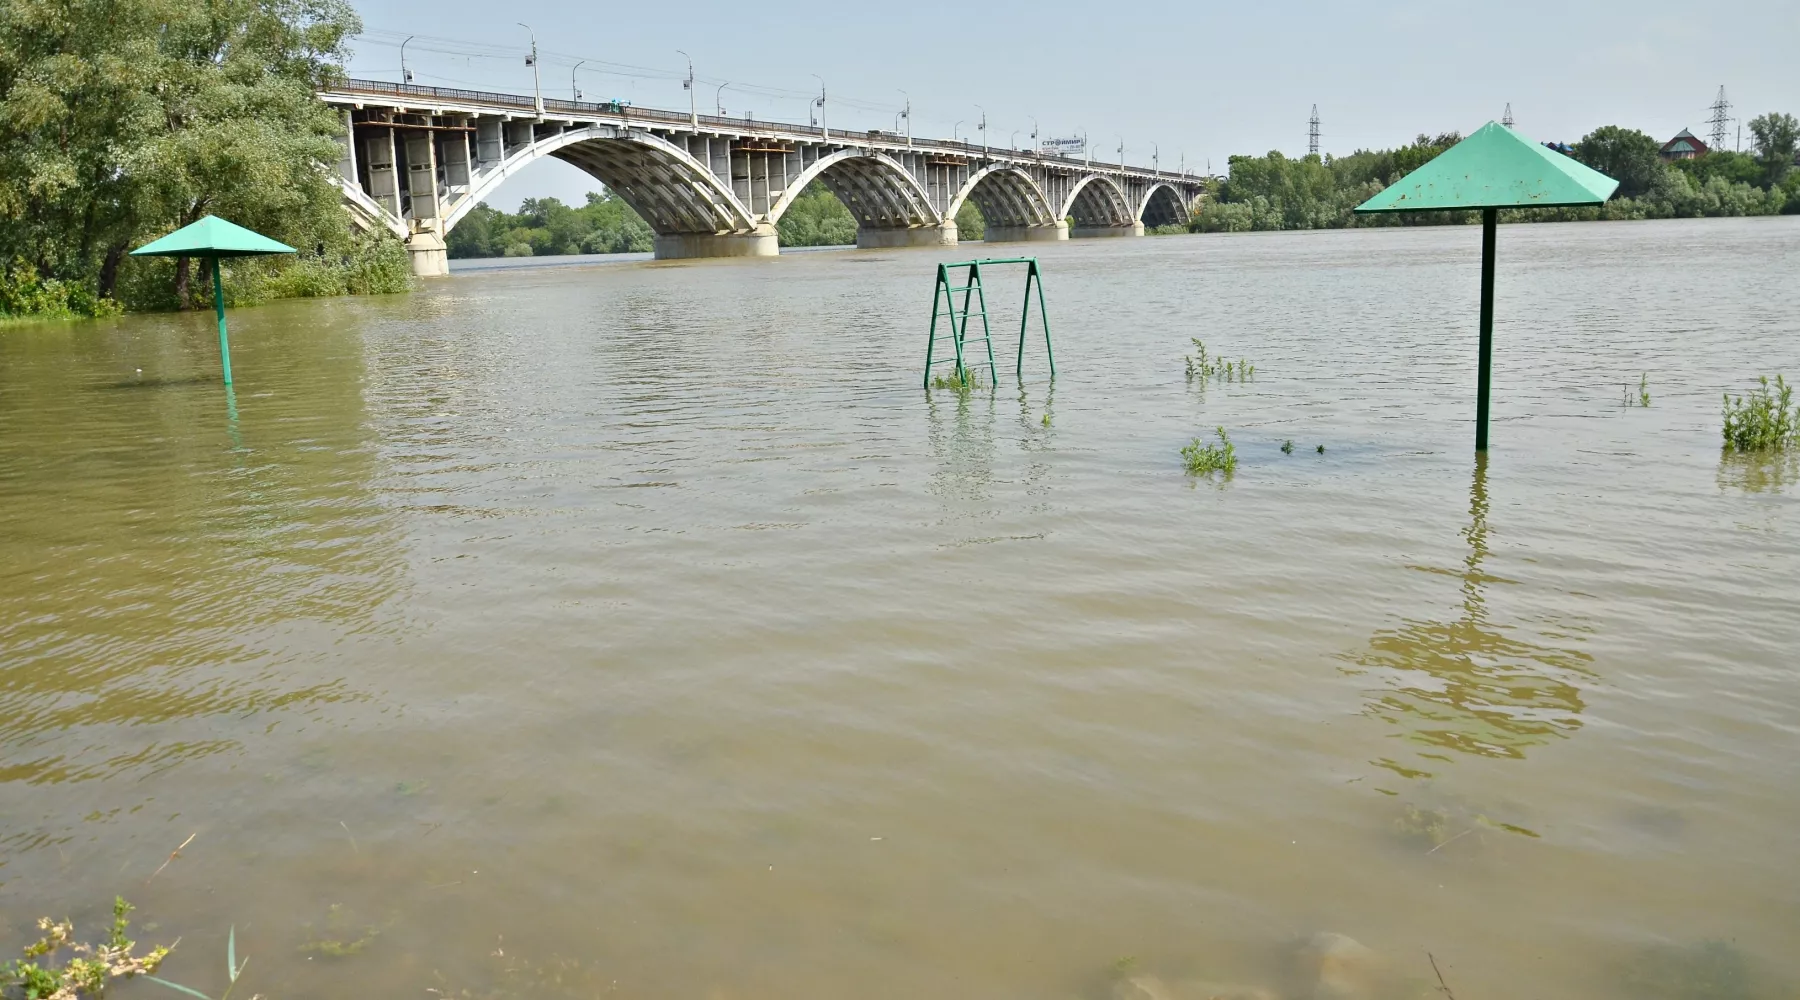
pixel 1287 447
pixel 959 380
pixel 1206 367
pixel 89 967
pixel 1643 392
pixel 1203 458
pixel 1763 419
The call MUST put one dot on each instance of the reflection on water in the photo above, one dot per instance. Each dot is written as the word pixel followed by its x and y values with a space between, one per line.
pixel 1472 685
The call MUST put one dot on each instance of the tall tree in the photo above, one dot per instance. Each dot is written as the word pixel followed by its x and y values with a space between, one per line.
pixel 1624 154
pixel 121 119
pixel 1776 136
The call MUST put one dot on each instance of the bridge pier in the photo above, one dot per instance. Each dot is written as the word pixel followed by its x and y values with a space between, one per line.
pixel 913 236
pixel 1026 234
pixel 430 258
pixel 682 246
pixel 1087 232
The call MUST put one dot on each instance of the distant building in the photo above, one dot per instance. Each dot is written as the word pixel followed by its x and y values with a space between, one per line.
pixel 1685 146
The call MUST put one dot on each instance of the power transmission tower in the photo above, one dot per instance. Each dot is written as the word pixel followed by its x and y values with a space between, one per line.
pixel 1721 116
pixel 1506 117
pixel 1312 133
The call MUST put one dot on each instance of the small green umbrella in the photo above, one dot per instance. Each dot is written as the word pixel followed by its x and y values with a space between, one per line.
pixel 1492 169
pixel 214 237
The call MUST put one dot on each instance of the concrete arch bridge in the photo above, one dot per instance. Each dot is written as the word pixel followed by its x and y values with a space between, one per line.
pixel 417 159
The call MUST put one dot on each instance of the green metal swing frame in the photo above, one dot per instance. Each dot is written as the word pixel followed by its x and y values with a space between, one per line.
pixel 974 303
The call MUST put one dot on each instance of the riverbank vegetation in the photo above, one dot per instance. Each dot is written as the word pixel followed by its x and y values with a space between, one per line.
pixel 1275 192
pixel 545 226
pixel 120 123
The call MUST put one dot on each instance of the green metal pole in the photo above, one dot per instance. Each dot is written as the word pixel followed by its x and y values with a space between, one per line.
pixel 219 308
pixel 937 290
pixel 1044 317
pixel 1484 379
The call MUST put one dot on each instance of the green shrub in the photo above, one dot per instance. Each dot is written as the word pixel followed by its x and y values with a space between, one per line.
pixel 1762 420
pixel 24 293
pixel 1203 458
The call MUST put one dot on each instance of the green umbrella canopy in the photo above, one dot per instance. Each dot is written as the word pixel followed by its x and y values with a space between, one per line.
pixel 212 237
pixel 1495 167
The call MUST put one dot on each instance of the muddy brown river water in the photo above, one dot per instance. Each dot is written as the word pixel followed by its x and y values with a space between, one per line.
pixel 644 630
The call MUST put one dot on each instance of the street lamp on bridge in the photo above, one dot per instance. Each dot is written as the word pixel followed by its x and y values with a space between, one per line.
pixel 1156 158
pixel 719 98
pixel 537 89
pixel 824 129
pixel 405 74
pixel 1121 151
pixel 1036 149
pixel 954 135
pixel 573 89
pixel 907 114
pixel 688 85
pixel 982 128
pixel 1012 141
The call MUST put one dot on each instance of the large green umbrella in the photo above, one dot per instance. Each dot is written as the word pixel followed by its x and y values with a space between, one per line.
pixel 1492 169
pixel 214 237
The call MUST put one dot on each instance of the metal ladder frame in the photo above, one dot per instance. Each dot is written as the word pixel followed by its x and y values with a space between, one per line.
pixel 944 294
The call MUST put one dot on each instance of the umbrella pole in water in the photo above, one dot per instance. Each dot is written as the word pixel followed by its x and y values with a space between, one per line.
pixel 225 344
pixel 1483 379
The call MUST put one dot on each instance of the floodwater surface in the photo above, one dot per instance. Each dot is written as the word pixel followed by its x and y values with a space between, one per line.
pixel 645 630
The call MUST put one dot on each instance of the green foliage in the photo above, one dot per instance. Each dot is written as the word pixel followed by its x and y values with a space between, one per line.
pixel 817 219
pixel 545 227
pixel 1206 368
pixel 1287 447
pixel 1762 420
pixel 1626 155
pixel 1203 458
pixel 970 223
pixel 86 972
pixel 122 122
pixel 1775 136
pixel 961 379
pixel 26 292
pixel 1643 392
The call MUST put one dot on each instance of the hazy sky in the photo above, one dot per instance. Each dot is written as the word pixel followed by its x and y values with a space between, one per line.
pixel 1201 79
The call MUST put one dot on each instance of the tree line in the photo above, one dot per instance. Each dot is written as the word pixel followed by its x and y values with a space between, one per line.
pixel 120 122
pixel 1277 192
pixel 546 226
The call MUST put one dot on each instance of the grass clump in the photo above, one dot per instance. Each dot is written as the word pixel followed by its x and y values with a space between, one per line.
pixel 1203 458
pixel 1287 447
pixel 1763 419
pixel 88 968
pixel 1207 368
pixel 1643 392
pixel 959 379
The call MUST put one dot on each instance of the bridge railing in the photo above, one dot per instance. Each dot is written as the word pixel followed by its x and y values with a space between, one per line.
pixel 593 109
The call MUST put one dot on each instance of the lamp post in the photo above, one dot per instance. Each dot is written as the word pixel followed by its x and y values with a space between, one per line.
pixel 405 74
pixel 1087 149
pixel 824 129
pixel 719 98
pixel 537 90
pixel 1036 148
pixel 907 114
pixel 688 85
pixel 982 128
pixel 1012 141
pixel 1121 151
pixel 954 135
pixel 1155 158
pixel 573 89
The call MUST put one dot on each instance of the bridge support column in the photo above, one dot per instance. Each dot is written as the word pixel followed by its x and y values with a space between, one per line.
pixel 1026 234
pixel 679 246
pixel 430 259
pixel 1086 232
pixel 915 236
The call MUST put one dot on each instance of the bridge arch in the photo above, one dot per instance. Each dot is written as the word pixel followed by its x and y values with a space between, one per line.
pixel 1096 200
pixel 1163 205
pixel 1007 197
pixel 665 185
pixel 877 190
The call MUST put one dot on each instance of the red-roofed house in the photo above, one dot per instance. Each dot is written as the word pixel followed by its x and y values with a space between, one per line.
pixel 1685 146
